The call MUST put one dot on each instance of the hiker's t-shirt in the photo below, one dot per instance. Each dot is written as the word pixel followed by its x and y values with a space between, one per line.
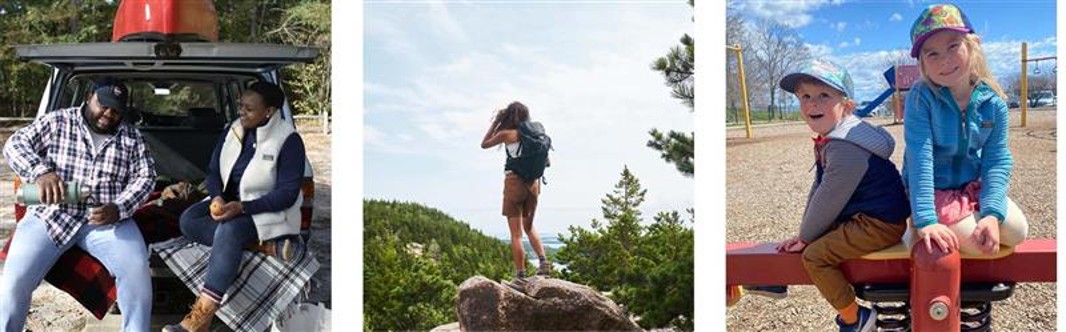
pixel 512 149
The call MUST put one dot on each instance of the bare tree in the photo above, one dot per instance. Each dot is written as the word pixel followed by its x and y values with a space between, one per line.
pixel 777 50
pixel 735 34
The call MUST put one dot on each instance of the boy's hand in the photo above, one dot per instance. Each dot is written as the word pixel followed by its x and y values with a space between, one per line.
pixel 792 245
pixel 940 235
pixel 986 235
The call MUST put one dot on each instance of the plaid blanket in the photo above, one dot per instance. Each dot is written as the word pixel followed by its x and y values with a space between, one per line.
pixel 266 289
pixel 86 279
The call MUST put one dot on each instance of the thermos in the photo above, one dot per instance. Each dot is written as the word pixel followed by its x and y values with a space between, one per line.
pixel 29 194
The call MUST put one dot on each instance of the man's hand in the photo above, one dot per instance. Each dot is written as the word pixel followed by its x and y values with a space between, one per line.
pixel 104 214
pixel 50 188
pixel 986 235
pixel 229 210
pixel 792 245
pixel 940 235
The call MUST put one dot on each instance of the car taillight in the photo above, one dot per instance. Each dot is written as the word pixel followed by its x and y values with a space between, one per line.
pixel 20 210
pixel 308 191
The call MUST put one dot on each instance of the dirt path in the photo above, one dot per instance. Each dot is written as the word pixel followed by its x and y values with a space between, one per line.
pixel 767 179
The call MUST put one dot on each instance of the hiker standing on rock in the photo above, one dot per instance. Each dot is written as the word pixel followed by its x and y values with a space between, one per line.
pixel 526 147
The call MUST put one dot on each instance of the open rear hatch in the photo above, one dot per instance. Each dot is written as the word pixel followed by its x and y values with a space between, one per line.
pixel 166 56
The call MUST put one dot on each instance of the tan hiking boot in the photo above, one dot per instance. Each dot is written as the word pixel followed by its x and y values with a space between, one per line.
pixel 286 249
pixel 199 317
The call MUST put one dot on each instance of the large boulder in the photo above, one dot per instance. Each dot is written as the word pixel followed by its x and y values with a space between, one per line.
pixel 547 304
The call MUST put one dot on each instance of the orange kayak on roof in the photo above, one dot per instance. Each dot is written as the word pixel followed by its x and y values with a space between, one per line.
pixel 172 20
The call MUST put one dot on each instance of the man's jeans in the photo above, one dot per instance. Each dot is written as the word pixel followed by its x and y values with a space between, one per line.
pixel 227 241
pixel 120 247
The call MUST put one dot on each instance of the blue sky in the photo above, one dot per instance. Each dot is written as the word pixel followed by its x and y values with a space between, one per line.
pixel 435 72
pixel 861 34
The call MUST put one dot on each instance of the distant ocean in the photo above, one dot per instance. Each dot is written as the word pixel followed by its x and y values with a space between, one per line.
pixel 548 241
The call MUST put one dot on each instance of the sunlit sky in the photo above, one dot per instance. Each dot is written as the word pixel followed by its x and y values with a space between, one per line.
pixel 861 35
pixel 436 72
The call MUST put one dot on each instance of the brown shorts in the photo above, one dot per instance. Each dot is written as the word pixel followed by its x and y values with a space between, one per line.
pixel 519 197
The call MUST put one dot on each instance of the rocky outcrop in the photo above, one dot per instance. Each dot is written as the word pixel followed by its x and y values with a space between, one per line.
pixel 546 304
pixel 450 327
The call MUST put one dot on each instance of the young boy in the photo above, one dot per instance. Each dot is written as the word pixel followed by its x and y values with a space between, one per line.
pixel 857 204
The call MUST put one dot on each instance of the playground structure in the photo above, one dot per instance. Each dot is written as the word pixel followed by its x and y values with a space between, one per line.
pixel 912 290
pixel 900 78
pixel 1025 78
pixel 743 86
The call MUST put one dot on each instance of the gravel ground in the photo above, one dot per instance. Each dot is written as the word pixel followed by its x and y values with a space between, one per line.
pixel 767 181
pixel 54 310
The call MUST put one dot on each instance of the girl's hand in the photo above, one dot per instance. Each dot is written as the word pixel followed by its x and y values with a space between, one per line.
pixel 792 245
pixel 940 235
pixel 986 235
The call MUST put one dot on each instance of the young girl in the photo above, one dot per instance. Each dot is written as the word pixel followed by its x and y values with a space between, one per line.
pixel 519 196
pixel 957 164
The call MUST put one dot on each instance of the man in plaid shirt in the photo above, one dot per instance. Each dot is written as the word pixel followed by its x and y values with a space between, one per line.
pixel 93 146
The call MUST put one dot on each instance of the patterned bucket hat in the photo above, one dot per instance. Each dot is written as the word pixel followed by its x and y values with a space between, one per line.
pixel 936 18
pixel 824 71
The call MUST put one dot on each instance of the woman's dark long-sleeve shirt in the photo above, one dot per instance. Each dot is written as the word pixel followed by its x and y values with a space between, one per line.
pixel 290 171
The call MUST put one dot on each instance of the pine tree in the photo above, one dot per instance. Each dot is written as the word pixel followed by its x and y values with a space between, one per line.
pixel 649 269
pixel 678 67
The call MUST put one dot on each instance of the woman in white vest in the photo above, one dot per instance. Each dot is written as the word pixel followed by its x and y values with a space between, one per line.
pixel 254 183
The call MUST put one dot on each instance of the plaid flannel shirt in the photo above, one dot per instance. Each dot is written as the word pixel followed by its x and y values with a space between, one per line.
pixel 120 171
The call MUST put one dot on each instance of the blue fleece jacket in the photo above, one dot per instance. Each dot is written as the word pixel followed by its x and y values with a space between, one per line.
pixel 948 148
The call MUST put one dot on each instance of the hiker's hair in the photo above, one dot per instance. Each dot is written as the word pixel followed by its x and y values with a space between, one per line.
pixel 511 116
pixel 978 66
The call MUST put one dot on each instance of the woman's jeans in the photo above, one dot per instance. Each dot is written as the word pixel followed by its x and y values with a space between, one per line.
pixel 119 246
pixel 227 241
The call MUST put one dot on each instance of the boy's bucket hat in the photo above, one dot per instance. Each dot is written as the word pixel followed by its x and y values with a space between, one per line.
pixel 824 71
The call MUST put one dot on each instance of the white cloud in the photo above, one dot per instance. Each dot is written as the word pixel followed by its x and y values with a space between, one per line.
pixel 819 50
pixel 895 17
pixel 843 45
pixel 839 26
pixel 858 41
pixel 794 14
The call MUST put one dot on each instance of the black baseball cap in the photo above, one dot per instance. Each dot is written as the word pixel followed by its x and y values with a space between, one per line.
pixel 112 95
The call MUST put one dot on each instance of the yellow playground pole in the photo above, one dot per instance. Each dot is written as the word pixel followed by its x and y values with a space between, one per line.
pixel 743 86
pixel 1023 98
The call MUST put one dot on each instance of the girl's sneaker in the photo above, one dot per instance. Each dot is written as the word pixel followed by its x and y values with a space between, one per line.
pixel 867 321
pixel 773 292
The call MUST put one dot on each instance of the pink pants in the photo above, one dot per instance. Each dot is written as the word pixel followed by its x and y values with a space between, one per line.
pixel 953 205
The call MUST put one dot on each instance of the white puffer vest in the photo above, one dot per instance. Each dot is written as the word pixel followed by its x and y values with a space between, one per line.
pixel 260 175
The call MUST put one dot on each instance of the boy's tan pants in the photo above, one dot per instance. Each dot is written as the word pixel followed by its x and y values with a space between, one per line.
pixel 851 239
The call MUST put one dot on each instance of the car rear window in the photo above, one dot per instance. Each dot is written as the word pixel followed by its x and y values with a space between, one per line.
pixel 168 103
